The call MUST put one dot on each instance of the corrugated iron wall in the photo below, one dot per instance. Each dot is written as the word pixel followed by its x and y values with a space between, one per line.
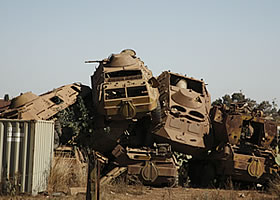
pixel 26 150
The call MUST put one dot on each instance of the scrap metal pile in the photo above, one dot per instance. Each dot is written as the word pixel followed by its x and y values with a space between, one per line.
pixel 144 122
pixel 144 125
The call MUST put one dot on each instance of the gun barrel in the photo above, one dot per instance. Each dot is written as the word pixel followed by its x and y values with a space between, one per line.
pixel 93 61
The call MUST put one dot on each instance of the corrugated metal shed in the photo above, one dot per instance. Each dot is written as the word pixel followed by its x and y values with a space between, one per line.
pixel 26 150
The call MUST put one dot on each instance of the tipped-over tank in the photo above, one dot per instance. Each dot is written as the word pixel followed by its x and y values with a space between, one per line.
pixel 29 106
pixel 123 87
pixel 185 110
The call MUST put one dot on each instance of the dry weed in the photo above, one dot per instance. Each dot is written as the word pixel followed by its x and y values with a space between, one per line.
pixel 121 187
pixel 209 196
pixel 66 173
pixel 274 186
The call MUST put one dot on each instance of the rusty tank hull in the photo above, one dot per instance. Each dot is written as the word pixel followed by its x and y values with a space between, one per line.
pixel 124 94
pixel 185 110
pixel 153 166
pixel 244 148
pixel 245 166
pixel 29 106
pixel 123 87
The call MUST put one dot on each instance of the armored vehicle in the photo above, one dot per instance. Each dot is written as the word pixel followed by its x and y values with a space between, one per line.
pixel 185 105
pixel 184 127
pixel 124 94
pixel 244 148
pixel 173 113
pixel 123 87
pixel 154 166
pixel 29 106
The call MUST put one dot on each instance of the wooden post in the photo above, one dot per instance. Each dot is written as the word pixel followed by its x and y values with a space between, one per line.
pixel 95 160
pixel 90 187
pixel 97 180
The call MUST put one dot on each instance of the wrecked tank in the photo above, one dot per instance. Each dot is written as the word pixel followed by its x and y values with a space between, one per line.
pixel 123 87
pixel 184 128
pixel 124 92
pixel 235 143
pixel 245 148
pixel 29 106
pixel 185 105
pixel 153 166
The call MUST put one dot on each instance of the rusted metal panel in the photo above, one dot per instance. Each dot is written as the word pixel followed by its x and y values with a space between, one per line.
pixel 241 126
pixel 270 130
pixel 233 125
pixel 26 150
pixel 117 171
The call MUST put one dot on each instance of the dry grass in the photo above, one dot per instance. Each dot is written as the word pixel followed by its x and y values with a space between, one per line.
pixel 274 186
pixel 11 186
pixel 66 173
pixel 120 190
pixel 120 187
pixel 138 192
pixel 141 193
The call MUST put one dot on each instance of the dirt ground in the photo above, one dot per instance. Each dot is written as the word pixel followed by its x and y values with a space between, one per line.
pixel 124 192
pixel 141 193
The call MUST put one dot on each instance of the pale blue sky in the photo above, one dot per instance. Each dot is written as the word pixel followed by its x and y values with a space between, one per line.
pixel 233 45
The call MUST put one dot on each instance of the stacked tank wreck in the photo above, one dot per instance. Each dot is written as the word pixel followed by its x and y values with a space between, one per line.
pixel 144 125
pixel 177 120
pixel 125 96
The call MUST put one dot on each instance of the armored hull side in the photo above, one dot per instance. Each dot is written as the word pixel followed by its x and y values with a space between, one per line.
pixel 185 106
